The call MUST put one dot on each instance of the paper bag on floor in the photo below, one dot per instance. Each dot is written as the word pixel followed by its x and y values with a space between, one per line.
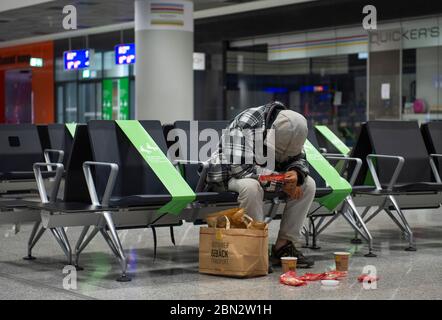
pixel 239 252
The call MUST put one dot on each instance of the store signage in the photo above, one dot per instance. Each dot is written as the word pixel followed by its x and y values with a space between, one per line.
pixel 318 44
pixel 410 34
pixel 422 34
pixel 36 62
pixel 199 61
pixel 77 59
pixel 14 59
pixel 115 99
pixel 125 54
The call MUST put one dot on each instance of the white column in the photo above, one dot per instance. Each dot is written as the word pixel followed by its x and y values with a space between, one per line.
pixel 164 65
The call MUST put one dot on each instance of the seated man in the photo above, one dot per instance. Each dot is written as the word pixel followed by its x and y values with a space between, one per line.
pixel 286 141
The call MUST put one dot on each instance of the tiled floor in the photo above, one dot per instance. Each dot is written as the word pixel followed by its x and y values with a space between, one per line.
pixel 174 275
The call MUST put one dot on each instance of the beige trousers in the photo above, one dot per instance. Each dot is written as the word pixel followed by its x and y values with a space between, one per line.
pixel 251 197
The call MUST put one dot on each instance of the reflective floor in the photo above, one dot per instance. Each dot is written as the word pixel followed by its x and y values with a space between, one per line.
pixel 174 274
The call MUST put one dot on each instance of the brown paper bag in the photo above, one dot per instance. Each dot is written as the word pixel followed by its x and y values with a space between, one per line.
pixel 233 252
pixel 218 217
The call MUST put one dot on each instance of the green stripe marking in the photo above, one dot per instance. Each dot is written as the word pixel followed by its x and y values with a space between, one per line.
pixel 71 128
pixel 341 188
pixel 333 139
pixel 180 191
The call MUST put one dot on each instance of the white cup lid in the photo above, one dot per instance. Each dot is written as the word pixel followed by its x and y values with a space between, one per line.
pixel 342 253
pixel 289 258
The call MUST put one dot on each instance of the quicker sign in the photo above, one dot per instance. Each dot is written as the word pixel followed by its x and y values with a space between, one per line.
pixel 178 188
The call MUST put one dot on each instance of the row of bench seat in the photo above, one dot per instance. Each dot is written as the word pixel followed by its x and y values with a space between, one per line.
pixel 137 192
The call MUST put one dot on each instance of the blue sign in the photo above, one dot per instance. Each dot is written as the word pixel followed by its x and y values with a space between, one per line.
pixel 125 53
pixel 77 59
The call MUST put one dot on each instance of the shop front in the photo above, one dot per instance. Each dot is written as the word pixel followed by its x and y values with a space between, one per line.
pixel 342 76
pixel 27 84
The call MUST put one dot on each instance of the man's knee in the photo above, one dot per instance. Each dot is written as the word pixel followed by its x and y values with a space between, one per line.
pixel 309 187
pixel 250 188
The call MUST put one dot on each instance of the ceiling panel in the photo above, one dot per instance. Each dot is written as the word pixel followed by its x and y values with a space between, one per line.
pixel 46 18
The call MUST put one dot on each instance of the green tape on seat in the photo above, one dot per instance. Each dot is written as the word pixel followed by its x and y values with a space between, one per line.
pixel 341 188
pixel 178 188
pixel 333 139
pixel 71 128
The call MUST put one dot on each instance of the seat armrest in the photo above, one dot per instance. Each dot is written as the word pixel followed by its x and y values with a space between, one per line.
pixel 47 157
pixel 340 155
pixel 40 181
pixel 434 167
pixel 400 163
pixel 346 159
pixel 91 184
pixel 203 175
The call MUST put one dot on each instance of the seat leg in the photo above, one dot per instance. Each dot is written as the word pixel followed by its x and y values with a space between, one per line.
pixel 109 241
pixel 172 236
pixel 361 227
pixel 117 243
pixel 333 218
pixel 356 239
pixel 31 239
pixel 37 237
pixel 155 242
pixel 60 241
pixel 81 245
pixel 319 224
pixel 364 213
pixel 314 235
pixel 374 214
pixel 409 232
pixel 395 220
pixel 306 236
pixel 78 244
pixel 65 240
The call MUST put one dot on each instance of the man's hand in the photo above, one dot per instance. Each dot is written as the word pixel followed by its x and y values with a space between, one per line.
pixel 291 185
pixel 291 177
pixel 293 191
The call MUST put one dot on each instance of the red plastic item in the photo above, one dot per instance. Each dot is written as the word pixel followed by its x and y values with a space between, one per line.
pixel 272 178
pixel 312 277
pixel 334 275
pixel 289 278
pixel 367 278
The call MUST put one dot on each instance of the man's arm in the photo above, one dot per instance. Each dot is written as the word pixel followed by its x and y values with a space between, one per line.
pixel 300 165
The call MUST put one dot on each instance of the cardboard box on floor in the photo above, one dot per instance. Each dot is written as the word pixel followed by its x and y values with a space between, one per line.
pixel 233 245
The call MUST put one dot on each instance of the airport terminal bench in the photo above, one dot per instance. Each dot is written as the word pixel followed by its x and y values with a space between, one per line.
pixel 119 189
pixel 110 185
pixel 21 146
pixel 398 169
pixel 319 221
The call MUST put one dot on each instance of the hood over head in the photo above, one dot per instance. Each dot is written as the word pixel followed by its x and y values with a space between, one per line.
pixel 289 133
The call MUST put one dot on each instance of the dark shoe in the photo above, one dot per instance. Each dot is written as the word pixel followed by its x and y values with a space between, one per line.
pixel 289 250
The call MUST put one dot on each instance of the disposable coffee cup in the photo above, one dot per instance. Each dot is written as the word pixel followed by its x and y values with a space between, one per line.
pixel 341 261
pixel 288 264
